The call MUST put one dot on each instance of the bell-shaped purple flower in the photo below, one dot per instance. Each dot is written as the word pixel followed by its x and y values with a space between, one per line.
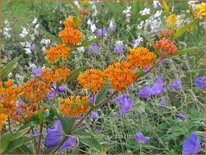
pixel 163 103
pixel 180 116
pixel 19 103
pixel 118 48
pixel 200 82
pixel 36 71
pixel 126 103
pixel 139 137
pixel 61 88
pixel 145 92
pixel 146 69
pixel 94 115
pixel 130 87
pixel 158 86
pixel 111 91
pixel 191 145
pixel 94 48
pixel 36 133
pixel 53 137
pixel 176 84
pixel 101 32
pixel 51 94
pixel 92 99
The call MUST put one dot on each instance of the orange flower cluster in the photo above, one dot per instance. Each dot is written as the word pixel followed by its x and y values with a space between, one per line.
pixel 60 51
pixel 56 75
pixel 171 21
pixel 26 113
pixel 166 33
pixel 166 46
pixel 8 97
pixel 73 106
pixel 120 75
pixel 141 57
pixel 71 34
pixel 35 91
pixel 92 79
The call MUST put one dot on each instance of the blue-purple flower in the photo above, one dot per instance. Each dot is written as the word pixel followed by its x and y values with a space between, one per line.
pixel 200 82
pixel 61 88
pixel 19 103
pixel 53 137
pixel 101 32
pixel 94 115
pixel 118 48
pixel 126 103
pixel 146 69
pixel 145 92
pixel 94 48
pixel 111 91
pixel 176 84
pixel 98 129
pixel 36 134
pixel 139 137
pixel 36 71
pixel 130 87
pixel 158 86
pixel 191 145
pixel 92 98
pixel 112 26
pixel 180 116
pixel 163 103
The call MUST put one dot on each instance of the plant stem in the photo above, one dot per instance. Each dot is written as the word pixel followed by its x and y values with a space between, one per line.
pixel 35 144
pixel 39 143
pixel 9 123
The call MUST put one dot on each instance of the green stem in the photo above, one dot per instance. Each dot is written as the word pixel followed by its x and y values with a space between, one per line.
pixel 40 136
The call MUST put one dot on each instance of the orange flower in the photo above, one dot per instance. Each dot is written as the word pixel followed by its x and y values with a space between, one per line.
pixel 70 22
pixel 141 57
pixel 120 75
pixel 70 35
pixel 35 91
pixel 3 118
pixel 166 33
pixel 92 79
pixel 171 21
pixel 73 106
pixel 9 83
pixel 60 51
pixel 56 75
pixel 166 46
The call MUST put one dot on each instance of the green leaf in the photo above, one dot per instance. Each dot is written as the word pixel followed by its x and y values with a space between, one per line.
pixel 5 142
pixel 74 74
pixel 102 93
pixel 9 67
pixel 87 43
pixel 146 37
pixel 31 122
pixel 19 133
pixel 163 22
pixel 49 115
pixel 183 29
pixel 75 8
pixel 40 116
pixel 187 50
pixel 66 123
pixel 50 36
pixel 19 142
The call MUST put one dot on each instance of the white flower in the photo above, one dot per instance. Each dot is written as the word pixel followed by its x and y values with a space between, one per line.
pixel 46 42
pixel 32 66
pixel 80 49
pixel 43 49
pixel 89 22
pixel 28 51
pixel 93 27
pixel 77 4
pixel 119 42
pixel 35 20
pixel 10 75
pixel 24 33
pixel 156 3
pixel 146 11
pixel 136 42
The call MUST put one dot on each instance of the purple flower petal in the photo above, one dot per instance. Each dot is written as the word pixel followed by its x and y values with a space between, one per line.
pixel 158 86
pixel 126 105
pixel 51 94
pixel 112 27
pixel 180 116
pixel 101 32
pixel 71 142
pixel 200 82
pixel 36 133
pixel 145 92
pixel 146 69
pixel 61 88
pixel 94 48
pixel 111 91
pixel 163 103
pixel 176 84
pixel 191 145
pixel 118 48
pixel 92 99
pixel 98 129
pixel 120 98
pixel 36 71
pixel 19 103
pixel 94 115
pixel 131 86
pixel 139 137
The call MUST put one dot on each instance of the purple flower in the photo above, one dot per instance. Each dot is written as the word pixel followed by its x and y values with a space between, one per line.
pixel 180 116
pixel 94 48
pixel 145 92
pixel 36 133
pixel 101 32
pixel 78 119
pixel 200 82
pixel 176 84
pixel 163 103
pixel 53 137
pixel 36 71
pixel 146 69
pixel 126 103
pixel 94 115
pixel 112 27
pixel 19 103
pixel 163 60
pixel 191 145
pixel 158 86
pixel 92 99
pixel 51 94
pixel 118 48
pixel 131 86
pixel 111 91
pixel 98 129
pixel 61 88
pixel 139 137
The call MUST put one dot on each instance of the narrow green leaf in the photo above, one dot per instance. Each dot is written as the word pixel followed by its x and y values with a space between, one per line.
pixel 75 8
pixel 31 122
pixel 146 37
pixel 183 29
pixel 19 133
pixel 66 123
pixel 50 36
pixel 102 93
pixel 5 142
pixel 87 43
pixel 74 74
pixel 187 50
pixel 9 67
pixel 163 22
